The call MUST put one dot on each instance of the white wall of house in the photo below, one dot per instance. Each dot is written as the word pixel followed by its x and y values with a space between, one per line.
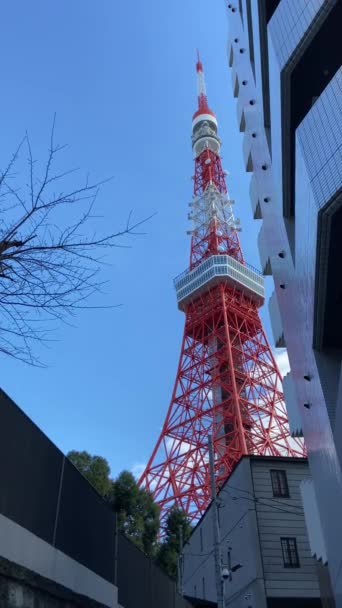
pixel 252 522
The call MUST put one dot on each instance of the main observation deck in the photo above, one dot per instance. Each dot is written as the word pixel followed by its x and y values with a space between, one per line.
pixel 219 269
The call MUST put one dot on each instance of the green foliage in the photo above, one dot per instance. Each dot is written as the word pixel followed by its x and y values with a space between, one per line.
pixel 167 556
pixel 94 468
pixel 167 559
pixel 138 515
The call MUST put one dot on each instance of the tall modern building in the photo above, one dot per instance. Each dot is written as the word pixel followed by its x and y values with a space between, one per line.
pixel 285 58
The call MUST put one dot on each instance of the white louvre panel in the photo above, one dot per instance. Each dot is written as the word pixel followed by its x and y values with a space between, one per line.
pixel 219 269
pixel 263 252
pixel 312 520
pixel 295 422
pixel 276 323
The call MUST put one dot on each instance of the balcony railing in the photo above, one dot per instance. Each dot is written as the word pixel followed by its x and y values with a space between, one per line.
pixel 216 269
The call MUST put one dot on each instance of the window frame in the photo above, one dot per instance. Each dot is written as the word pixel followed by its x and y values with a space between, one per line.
pixel 282 473
pixel 288 551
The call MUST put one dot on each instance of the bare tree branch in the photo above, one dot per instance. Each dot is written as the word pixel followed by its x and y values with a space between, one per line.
pixel 49 262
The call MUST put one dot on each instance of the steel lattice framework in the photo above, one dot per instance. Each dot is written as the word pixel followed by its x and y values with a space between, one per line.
pixel 227 382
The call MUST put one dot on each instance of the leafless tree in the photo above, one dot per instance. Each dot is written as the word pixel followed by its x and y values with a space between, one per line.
pixel 50 252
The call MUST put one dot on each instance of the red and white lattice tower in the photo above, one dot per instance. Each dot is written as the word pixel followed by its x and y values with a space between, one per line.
pixel 228 383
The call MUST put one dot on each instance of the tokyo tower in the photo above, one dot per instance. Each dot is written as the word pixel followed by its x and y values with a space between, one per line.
pixel 228 383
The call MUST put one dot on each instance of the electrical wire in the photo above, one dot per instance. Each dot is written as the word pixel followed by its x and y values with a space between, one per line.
pixel 198 567
pixel 255 501
pixel 287 504
pixel 265 504
pixel 207 555
pixel 262 502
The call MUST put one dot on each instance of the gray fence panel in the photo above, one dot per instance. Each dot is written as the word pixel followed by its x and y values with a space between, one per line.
pixel 30 470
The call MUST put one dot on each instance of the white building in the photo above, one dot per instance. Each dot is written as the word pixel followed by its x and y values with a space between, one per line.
pixel 285 58
pixel 262 527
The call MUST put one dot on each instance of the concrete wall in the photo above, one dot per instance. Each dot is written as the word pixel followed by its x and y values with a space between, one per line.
pixel 142 583
pixel 22 588
pixel 58 542
pixel 52 521
pixel 27 551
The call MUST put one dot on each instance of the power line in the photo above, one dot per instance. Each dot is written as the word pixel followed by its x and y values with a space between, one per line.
pixel 198 567
pixel 262 502
pixel 287 504
pixel 207 555
pixel 265 504
pixel 254 500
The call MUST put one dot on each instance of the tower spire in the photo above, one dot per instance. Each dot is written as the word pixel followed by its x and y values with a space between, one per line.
pixel 203 107
pixel 228 384
pixel 201 88
pixel 219 235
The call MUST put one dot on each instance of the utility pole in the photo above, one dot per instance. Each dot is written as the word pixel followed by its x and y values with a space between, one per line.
pixel 116 550
pixel 230 563
pixel 216 528
pixel 180 562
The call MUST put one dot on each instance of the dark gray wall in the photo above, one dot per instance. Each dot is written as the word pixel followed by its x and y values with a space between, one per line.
pixel 45 494
pixel 142 583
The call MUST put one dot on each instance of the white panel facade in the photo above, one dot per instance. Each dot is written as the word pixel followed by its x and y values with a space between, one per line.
pixel 252 523
pixel 283 517
pixel 295 421
pixel 238 531
pixel 313 522
pixel 264 253
pixel 291 243
pixel 276 321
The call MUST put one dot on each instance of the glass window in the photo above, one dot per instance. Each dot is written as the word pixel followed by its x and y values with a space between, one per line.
pixel 279 483
pixel 290 552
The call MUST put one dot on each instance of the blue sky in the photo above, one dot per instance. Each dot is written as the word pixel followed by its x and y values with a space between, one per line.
pixel 121 78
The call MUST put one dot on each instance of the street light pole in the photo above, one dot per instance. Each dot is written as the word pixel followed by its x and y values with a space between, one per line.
pixel 216 528
pixel 180 562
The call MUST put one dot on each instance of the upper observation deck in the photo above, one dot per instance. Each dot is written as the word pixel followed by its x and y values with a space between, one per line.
pixel 219 269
